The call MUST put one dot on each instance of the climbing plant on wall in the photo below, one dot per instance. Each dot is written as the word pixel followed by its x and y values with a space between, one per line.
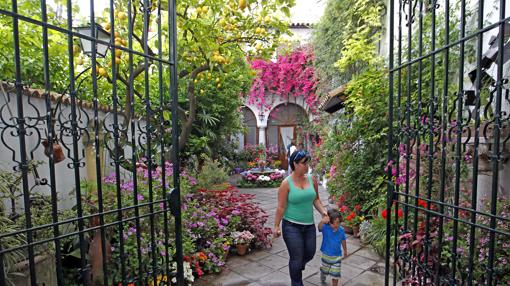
pixel 292 75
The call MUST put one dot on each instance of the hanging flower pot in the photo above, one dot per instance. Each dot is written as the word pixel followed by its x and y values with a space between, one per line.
pixel 58 153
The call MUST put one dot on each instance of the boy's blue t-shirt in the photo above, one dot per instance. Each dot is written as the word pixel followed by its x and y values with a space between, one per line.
pixel 332 240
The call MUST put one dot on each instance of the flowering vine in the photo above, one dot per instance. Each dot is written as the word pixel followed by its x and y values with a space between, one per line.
pixel 290 75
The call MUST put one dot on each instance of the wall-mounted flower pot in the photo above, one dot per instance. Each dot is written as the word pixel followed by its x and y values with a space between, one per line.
pixel 58 153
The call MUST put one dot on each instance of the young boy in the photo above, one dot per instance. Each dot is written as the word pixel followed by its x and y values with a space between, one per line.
pixel 332 236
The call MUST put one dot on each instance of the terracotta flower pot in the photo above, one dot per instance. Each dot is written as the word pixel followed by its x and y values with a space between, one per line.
pixel 242 249
pixel 355 231
pixel 58 153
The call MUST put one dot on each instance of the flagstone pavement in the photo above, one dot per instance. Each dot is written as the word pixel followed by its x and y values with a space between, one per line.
pixel 269 267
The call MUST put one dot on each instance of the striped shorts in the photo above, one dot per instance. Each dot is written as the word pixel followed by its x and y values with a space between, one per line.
pixel 331 265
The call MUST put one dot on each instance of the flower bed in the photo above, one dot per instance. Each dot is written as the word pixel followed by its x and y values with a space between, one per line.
pixel 210 218
pixel 271 179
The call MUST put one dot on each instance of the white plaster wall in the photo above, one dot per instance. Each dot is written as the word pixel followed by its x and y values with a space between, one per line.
pixel 65 175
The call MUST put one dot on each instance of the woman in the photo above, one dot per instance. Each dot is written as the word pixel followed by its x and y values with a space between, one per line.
pixel 297 195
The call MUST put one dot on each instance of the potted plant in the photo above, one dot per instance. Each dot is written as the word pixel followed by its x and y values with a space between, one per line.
pixel 242 239
pixel 353 220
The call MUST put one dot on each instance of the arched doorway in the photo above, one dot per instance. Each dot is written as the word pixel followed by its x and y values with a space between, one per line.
pixel 285 123
pixel 250 137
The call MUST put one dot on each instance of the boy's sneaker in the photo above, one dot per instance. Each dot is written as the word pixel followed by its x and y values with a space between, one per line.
pixel 323 278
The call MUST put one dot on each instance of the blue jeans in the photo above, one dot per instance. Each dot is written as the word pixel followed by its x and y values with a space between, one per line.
pixel 300 241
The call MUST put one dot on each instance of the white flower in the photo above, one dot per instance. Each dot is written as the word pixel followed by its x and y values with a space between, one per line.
pixel 263 178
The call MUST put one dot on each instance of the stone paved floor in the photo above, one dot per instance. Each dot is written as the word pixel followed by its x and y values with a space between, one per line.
pixel 269 267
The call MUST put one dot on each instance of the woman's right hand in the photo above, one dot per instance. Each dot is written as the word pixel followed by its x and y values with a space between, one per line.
pixel 277 232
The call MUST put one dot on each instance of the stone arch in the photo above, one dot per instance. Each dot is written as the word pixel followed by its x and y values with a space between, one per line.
pixel 250 122
pixel 285 122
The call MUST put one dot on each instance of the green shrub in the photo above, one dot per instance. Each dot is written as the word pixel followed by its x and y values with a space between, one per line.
pixel 211 174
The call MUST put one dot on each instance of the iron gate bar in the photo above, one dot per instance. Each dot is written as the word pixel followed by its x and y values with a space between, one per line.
pixel 51 136
pixel 458 219
pixel 419 128
pixel 172 26
pixel 76 34
pixel 452 44
pixel 23 164
pixel 399 128
pixel 389 193
pixel 162 141
pixel 116 155
pixel 70 234
pixel 72 220
pixel 407 115
pixel 133 139
pixel 97 144
pixel 474 185
pixel 431 107
pixel 148 129
pixel 496 158
pixel 445 204
pixel 444 125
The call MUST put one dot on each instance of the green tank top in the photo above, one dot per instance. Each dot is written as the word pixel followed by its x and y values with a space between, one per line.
pixel 300 203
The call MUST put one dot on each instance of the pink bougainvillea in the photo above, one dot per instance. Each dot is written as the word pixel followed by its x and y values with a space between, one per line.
pixel 290 75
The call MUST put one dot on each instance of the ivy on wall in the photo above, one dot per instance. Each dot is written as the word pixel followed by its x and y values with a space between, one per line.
pixel 346 38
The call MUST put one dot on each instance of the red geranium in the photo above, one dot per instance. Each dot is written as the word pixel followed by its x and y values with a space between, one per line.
pixel 384 213
pixel 422 203
pixel 344 209
pixel 351 216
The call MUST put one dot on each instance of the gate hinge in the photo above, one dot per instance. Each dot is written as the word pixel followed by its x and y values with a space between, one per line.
pixel 172 200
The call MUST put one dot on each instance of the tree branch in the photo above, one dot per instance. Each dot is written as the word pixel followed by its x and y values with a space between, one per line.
pixel 188 124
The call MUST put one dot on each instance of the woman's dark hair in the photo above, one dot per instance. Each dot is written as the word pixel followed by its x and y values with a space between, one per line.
pixel 298 156
pixel 333 215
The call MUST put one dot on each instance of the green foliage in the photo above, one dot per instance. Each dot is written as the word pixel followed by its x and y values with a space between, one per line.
pixel 373 232
pixel 12 220
pixel 353 147
pixel 354 28
pixel 211 175
pixel 214 37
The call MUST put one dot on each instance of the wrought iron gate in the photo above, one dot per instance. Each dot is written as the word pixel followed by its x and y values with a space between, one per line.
pixel 85 153
pixel 448 217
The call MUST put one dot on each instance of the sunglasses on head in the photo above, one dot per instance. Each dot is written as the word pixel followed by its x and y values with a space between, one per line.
pixel 300 155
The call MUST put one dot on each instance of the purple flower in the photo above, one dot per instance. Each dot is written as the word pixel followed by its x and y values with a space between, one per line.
pixel 111 179
pixel 127 186
pixel 140 197
pixel 131 230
